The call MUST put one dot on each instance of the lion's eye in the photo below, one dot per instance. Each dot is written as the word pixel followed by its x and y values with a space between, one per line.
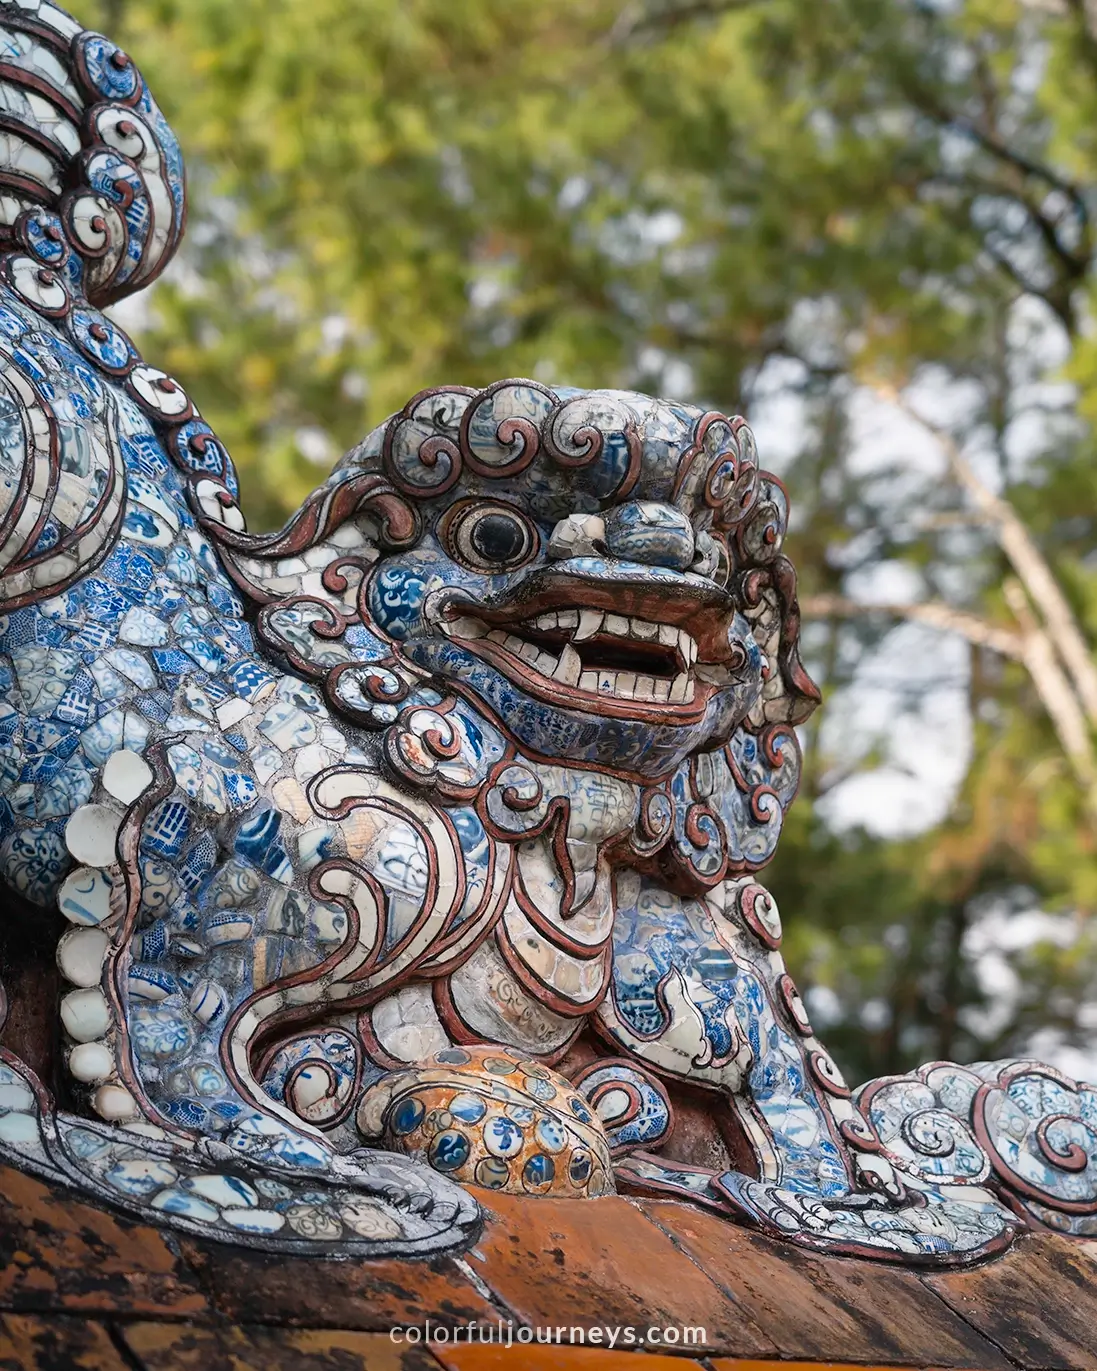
pixel 499 538
pixel 490 537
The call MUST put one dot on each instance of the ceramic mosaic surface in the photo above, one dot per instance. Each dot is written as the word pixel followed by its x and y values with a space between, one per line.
pixel 364 832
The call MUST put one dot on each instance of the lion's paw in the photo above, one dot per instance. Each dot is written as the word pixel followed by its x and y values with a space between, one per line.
pixel 484 1116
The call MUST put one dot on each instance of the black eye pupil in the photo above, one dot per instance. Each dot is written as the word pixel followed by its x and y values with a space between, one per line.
pixel 498 538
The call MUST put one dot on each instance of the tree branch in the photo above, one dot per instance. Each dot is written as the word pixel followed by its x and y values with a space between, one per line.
pixel 932 613
pixel 987 137
pixel 636 18
pixel 1027 560
pixel 1052 298
pixel 1054 690
pixel 1031 646
pixel 992 143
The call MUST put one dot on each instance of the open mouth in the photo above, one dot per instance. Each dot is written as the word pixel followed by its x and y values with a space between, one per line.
pixel 594 653
pixel 649 649
pixel 590 658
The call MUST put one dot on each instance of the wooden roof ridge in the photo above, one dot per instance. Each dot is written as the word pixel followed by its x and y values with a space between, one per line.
pixel 82 1287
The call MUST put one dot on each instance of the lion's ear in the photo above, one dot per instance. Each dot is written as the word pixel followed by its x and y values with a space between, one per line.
pixel 763 756
pixel 764 581
pixel 306 580
pixel 324 549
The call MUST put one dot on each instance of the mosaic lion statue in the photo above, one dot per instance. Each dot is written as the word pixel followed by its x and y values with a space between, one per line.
pixel 414 848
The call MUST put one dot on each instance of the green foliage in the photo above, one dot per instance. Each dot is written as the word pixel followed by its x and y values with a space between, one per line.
pixel 698 196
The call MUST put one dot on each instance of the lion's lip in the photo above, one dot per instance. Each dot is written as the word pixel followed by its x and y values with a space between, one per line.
pixel 588 651
pixel 566 649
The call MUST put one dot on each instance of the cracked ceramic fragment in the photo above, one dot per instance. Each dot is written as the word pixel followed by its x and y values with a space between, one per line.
pixel 85 1015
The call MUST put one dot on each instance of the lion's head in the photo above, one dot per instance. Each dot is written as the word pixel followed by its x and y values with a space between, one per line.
pixel 595 576
pixel 587 566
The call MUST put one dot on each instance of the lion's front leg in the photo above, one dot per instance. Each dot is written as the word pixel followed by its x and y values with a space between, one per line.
pixel 700 993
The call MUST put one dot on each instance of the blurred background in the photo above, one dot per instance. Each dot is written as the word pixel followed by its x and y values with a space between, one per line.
pixel 870 228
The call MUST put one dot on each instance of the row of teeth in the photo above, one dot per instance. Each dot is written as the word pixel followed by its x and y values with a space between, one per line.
pixel 567 668
pixel 589 622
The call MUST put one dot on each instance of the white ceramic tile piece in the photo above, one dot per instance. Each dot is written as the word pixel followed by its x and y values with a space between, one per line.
pixel 85 1015
pixel 91 1062
pixel 84 897
pixel 127 776
pixel 80 956
pixel 114 1103
pixel 91 834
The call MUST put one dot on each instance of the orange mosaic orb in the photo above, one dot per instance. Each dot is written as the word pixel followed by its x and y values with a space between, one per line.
pixel 484 1116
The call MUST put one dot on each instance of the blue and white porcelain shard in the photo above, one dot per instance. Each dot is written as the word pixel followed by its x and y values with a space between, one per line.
pixel 483 749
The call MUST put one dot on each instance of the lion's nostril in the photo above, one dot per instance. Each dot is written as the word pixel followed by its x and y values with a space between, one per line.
pixel 579 535
pixel 643 531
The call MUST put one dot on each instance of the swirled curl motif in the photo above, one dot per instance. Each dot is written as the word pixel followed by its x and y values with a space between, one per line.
pixel 501 428
pixel 631 1103
pixel 130 219
pixel 42 550
pixel 1024 1129
pixel 448 434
